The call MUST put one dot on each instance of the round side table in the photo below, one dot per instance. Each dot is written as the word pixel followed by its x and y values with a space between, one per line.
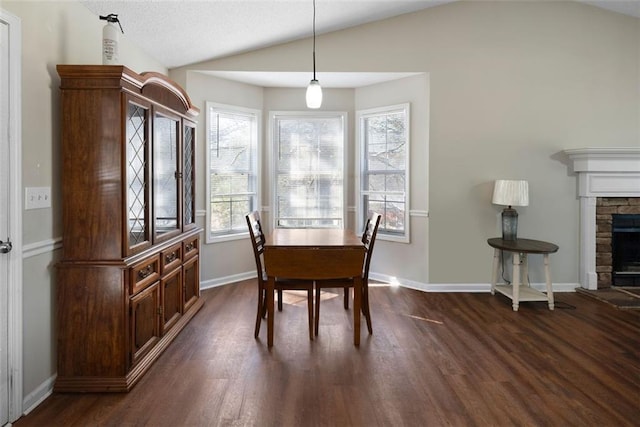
pixel 520 249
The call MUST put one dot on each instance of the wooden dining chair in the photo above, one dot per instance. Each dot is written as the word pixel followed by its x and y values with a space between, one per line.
pixel 281 284
pixel 368 240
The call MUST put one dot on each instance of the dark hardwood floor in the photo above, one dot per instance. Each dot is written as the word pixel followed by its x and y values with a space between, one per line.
pixel 434 359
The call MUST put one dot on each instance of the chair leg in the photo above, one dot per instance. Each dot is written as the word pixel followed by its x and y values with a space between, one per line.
pixel 317 316
pixel 264 305
pixel 346 298
pixel 310 312
pixel 365 307
pixel 260 313
pixel 279 299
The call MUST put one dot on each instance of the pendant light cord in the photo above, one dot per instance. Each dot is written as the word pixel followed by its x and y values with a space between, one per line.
pixel 314 39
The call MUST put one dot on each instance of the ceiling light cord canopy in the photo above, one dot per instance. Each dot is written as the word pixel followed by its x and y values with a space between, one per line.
pixel 314 90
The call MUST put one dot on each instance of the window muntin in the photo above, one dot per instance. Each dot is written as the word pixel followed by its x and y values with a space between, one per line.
pixel 232 163
pixel 384 169
pixel 308 172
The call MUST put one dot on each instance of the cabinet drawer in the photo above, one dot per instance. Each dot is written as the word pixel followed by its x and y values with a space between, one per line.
pixel 144 273
pixel 191 246
pixel 171 258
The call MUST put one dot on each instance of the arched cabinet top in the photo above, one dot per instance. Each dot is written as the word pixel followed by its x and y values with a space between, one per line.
pixel 151 85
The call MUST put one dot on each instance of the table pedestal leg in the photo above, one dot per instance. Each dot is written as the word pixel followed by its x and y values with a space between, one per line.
pixel 357 304
pixel 494 272
pixel 515 285
pixel 270 309
pixel 547 275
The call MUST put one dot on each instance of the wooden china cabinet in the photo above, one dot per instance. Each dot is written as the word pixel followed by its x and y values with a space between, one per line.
pixel 128 281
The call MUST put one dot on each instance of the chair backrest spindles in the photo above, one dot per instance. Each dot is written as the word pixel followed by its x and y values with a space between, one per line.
pixel 257 240
pixel 369 239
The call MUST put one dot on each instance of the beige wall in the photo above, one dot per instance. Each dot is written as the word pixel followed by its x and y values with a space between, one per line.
pixel 52 33
pixel 512 84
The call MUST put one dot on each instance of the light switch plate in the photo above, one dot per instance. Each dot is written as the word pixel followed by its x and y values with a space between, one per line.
pixel 37 197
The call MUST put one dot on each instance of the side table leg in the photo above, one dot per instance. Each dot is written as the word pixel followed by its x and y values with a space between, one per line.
pixel 547 275
pixel 515 282
pixel 494 272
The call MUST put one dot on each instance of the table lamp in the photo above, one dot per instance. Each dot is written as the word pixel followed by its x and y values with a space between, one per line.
pixel 510 193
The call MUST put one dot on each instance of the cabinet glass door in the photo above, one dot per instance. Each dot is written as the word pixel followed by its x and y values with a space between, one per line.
pixel 188 176
pixel 137 172
pixel 165 175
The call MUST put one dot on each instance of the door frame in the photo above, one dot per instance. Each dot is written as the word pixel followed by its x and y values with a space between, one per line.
pixel 14 212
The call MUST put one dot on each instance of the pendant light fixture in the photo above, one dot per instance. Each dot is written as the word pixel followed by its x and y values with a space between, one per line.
pixel 314 90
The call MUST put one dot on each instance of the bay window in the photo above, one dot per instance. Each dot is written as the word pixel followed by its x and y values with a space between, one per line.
pixel 308 173
pixel 383 175
pixel 233 173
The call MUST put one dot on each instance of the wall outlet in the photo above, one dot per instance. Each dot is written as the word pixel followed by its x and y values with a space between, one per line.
pixel 37 197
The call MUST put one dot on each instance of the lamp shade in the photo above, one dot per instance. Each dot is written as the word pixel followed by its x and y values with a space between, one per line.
pixel 314 94
pixel 511 193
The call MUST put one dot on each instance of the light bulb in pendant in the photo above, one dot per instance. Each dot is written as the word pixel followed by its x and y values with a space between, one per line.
pixel 314 94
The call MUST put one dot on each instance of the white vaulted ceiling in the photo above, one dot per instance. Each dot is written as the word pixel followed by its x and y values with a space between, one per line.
pixel 181 32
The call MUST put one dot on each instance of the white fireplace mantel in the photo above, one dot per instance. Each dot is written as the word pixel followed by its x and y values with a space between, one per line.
pixel 602 172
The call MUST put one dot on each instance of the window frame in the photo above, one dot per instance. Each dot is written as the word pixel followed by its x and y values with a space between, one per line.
pixel 256 147
pixel 273 172
pixel 361 215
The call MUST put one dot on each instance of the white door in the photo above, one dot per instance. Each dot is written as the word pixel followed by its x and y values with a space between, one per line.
pixel 4 225
pixel 10 221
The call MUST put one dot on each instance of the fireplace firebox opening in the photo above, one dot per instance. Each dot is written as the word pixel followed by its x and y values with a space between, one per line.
pixel 625 248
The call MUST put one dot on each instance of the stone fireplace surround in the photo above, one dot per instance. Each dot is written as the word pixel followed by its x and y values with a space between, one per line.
pixel 602 173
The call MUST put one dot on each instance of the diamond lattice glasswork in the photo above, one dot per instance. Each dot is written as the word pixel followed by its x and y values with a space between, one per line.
pixel 136 173
pixel 188 176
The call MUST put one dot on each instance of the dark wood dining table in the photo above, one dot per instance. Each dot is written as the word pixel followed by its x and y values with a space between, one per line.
pixel 314 254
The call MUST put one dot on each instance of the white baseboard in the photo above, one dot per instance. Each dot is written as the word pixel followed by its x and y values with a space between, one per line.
pixel 461 287
pixel 405 283
pixel 213 283
pixel 37 396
